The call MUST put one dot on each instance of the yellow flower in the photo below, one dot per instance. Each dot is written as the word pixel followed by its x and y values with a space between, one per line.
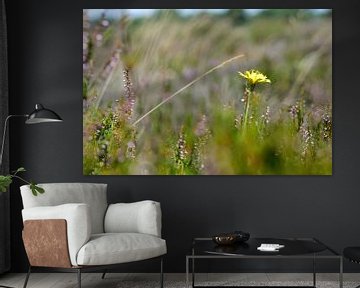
pixel 254 77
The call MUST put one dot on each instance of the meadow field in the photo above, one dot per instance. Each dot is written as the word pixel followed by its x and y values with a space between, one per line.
pixel 162 93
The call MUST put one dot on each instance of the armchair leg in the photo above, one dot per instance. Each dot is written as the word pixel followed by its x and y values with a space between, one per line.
pixel 79 277
pixel 161 273
pixel 27 277
pixel 103 275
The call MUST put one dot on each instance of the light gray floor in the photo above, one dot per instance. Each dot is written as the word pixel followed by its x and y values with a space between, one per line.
pixel 119 280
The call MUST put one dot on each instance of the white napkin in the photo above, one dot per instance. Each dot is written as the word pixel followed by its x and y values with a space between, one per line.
pixel 270 247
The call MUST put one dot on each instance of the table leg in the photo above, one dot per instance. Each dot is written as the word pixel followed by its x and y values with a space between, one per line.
pixel 193 267
pixel 341 273
pixel 193 272
pixel 314 271
pixel 187 272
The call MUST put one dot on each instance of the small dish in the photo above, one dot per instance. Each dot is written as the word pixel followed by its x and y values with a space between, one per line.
pixel 225 239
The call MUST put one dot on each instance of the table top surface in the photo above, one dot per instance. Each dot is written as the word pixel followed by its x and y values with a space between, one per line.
pixel 292 247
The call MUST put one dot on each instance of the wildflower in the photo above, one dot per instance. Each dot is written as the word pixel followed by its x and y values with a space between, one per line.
pixel 308 141
pixel 297 113
pixel 103 154
pixel 131 150
pixel 128 106
pixel 87 45
pixel 294 111
pixel 326 126
pixel 254 77
pixel 201 128
pixel 181 152
pixel 266 115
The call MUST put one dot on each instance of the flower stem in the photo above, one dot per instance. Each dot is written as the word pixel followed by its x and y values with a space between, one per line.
pixel 22 179
pixel 248 91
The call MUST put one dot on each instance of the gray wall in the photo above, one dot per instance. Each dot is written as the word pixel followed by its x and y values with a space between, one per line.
pixel 45 66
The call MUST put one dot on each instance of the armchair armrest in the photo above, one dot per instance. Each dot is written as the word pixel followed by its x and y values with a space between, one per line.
pixel 138 217
pixel 77 219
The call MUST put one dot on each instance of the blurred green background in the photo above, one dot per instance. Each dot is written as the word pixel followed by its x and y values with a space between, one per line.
pixel 134 59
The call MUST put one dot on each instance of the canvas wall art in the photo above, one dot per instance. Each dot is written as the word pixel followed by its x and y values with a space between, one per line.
pixel 207 92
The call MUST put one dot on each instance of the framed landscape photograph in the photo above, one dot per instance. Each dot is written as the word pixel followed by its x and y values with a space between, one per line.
pixel 207 92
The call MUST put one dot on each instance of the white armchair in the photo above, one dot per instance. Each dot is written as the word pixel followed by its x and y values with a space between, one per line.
pixel 72 228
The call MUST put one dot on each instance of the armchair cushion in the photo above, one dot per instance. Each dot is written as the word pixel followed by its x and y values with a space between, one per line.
pixel 78 221
pixel 138 217
pixel 92 194
pixel 113 248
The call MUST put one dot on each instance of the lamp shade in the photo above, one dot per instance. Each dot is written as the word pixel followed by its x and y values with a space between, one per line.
pixel 42 115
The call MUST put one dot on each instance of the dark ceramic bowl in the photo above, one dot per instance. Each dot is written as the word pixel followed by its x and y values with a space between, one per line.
pixel 225 239
pixel 231 238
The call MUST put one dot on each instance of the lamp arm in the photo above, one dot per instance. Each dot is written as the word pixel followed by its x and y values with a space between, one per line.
pixel 4 133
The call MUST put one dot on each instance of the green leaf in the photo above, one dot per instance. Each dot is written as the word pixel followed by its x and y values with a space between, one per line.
pixel 40 189
pixel 5 182
pixel 36 189
pixel 20 169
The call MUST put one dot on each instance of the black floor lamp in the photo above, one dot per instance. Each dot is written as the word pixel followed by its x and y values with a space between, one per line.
pixel 39 115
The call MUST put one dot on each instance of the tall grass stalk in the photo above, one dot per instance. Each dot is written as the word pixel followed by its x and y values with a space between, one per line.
pixel 187 86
